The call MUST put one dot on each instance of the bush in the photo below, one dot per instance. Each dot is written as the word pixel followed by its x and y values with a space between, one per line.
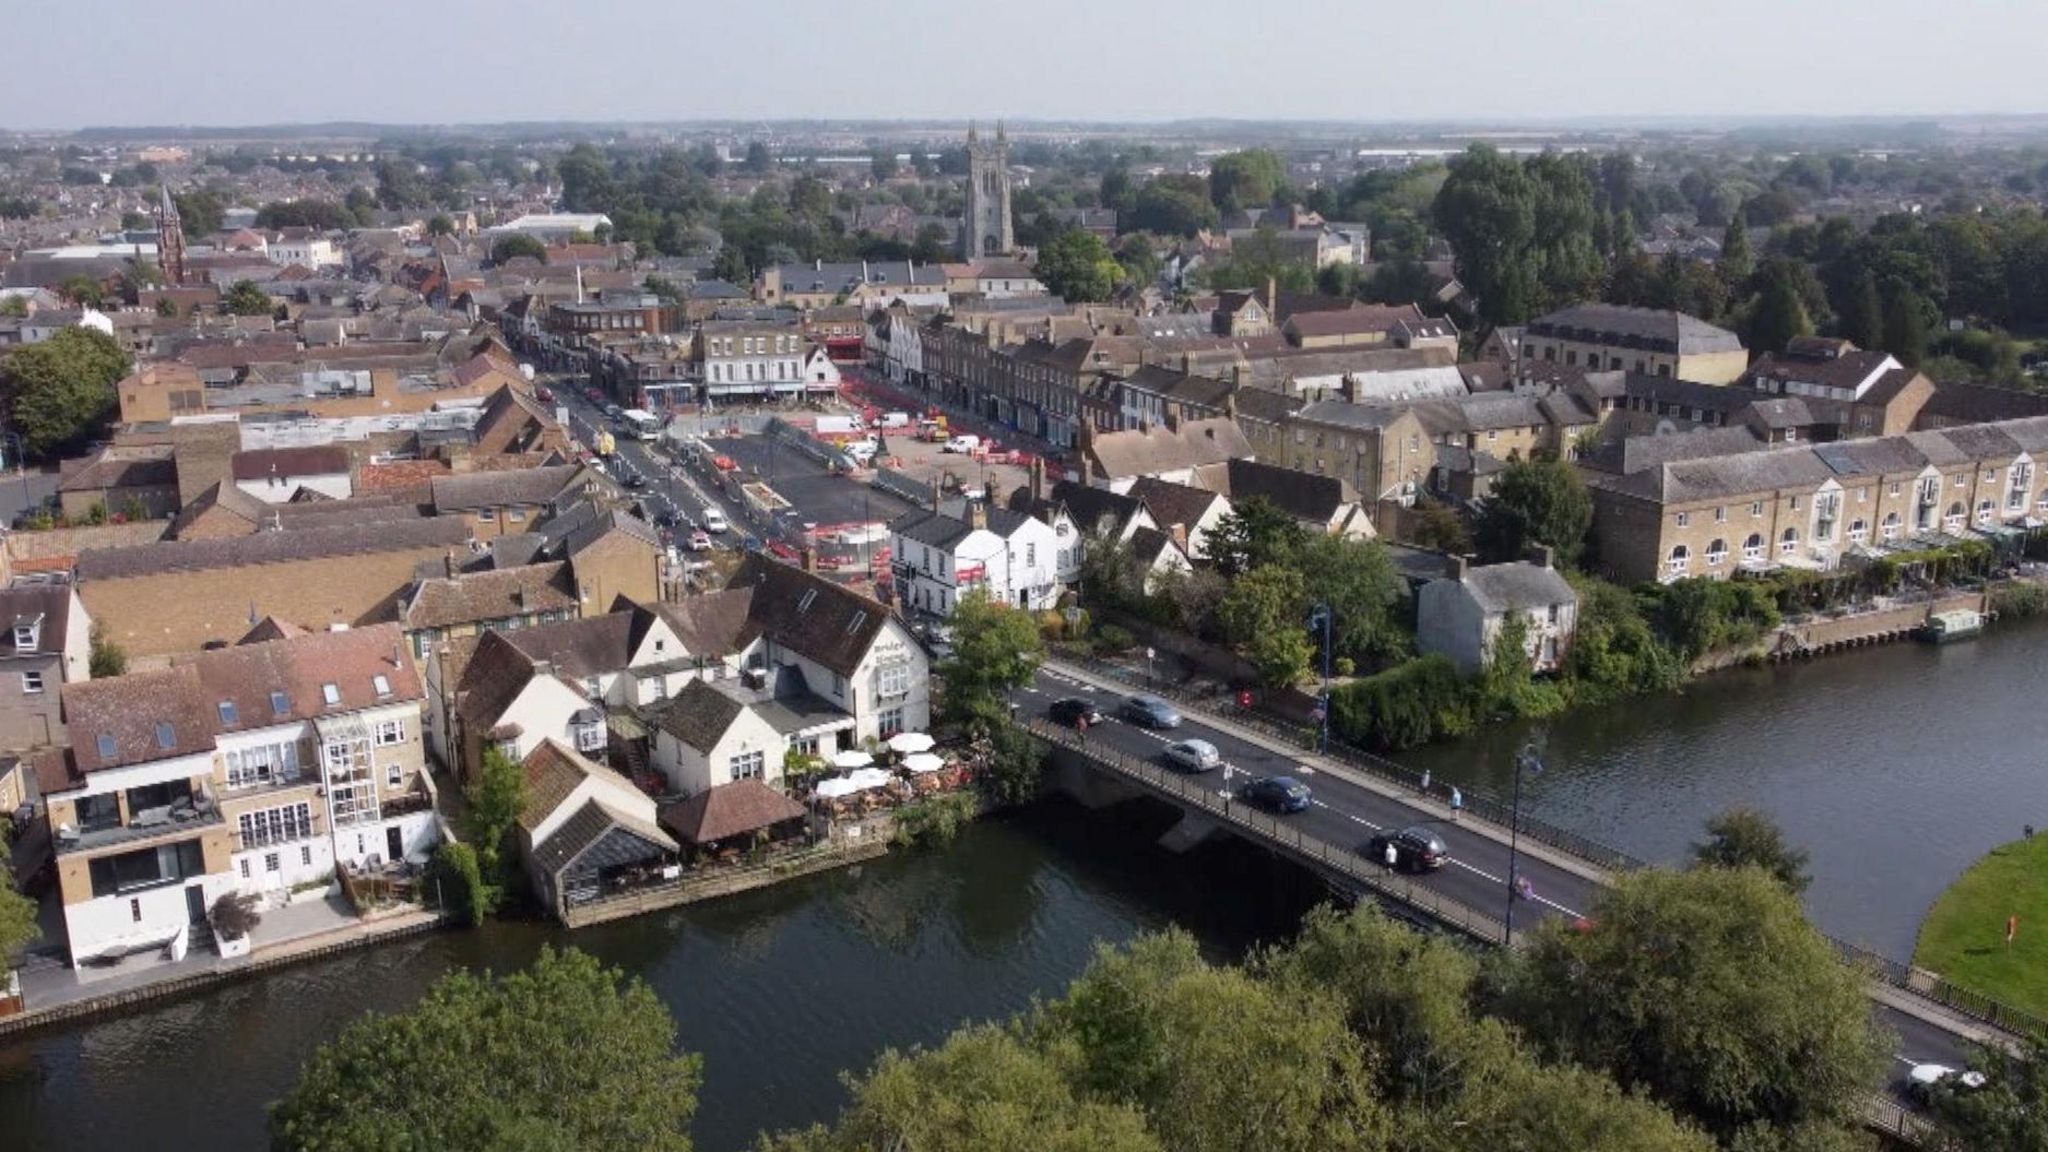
pixel 1113 638
pixel 2018 599
pixel 1013 765
pixel 935 821
pixel 462 882
pixel 234 915
pixel 1405 706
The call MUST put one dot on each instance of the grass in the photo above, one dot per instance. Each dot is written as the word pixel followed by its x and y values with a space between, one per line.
pixel 1963 936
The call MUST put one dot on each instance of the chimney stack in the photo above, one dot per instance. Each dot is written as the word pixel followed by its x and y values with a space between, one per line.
pixel 808 557
pixel 448 563
pixel 977 510
pixel 1457 571
pixel 1037 479
pixel 1272 299
pixel 1542 556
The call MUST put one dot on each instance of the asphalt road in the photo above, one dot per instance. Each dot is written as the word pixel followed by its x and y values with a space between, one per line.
pixel 1345 813
pixel 818 496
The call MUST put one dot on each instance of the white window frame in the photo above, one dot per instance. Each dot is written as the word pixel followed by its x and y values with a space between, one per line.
pixel 390 732
pixel 1679 560
pixel 749 765
pixel 1717 553
pixel 32 683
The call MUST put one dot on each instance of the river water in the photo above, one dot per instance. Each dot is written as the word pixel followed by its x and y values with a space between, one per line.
pixel 1895 767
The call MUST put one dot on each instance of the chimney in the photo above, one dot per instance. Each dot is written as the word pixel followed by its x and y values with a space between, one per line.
pixel 1457 571
pixel 448 564
pixel 977 513
pixel 808 557
pixel 1272 298
pixel 1237 374
pixel 1350 387
pixel 935 493
pixel 1542 556
pixel 1037 479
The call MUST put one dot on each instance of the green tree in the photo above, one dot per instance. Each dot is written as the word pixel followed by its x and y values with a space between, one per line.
pixel 1171 206
pixel 1254 533
pixel 61 391
pixel 1614 652
pixel 1860 320
pixel 106 657
pixel 1737 261
pixel 759 161
pixel 247 298
pixel 200 211
pixel 1744 837
pixel 82 290
pixel 518 244
pixel 18 928
pixel 1246 179
pixel 2009 1113
pixel 1711 991
pixel 566 1054
pixel 1778 316
pixel 1905 324
pixel 14 306
pixel 1217 1060
pixel 882 163
pixel 440 224
pixel 1259 259
pixel 996 648
pixel 1522 231
pixel 1264 613
pixel 983 1090
pixel 496 797
pixel 1356 578
pixel 1536 502
pixel 1077 266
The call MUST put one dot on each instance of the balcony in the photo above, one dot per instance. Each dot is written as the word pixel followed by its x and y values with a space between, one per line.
pixel 150 824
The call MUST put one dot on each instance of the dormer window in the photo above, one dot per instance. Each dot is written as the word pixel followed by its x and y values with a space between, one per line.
pixel 331 693
pixel 28 632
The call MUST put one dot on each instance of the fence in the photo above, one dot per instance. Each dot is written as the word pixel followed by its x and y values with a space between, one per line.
pixel 897 484
pixel 1353 868
pixel 808 444
pixel 1923 985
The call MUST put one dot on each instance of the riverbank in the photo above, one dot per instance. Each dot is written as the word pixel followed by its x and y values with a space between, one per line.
pixel 1964 936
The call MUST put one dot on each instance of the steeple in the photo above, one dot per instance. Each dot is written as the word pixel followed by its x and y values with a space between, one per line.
pixel 170 238
pixel 973 134
pixel 1001 139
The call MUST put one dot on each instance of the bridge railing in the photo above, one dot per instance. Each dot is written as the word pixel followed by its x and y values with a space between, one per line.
pixel 1278 833
pixel 1924 985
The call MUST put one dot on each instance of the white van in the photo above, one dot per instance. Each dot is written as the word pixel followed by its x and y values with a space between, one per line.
pixel 961 443
pixel 895 420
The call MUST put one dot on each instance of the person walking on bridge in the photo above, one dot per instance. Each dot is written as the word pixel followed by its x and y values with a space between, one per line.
pixel 1392 857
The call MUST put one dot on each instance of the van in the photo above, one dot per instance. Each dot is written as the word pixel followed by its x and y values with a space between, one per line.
pixel 962 443
pixel 895 420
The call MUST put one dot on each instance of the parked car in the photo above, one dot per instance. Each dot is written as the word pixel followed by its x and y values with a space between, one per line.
pixel 635 480
pixel 1280 794
pixel 962 443
pixel 700 541
pixel 1923 1080
pixel 1074 712
pixel 1415 849
pixel 543 395
pixel 1150 711
pixel 1193 755
pixel 714 520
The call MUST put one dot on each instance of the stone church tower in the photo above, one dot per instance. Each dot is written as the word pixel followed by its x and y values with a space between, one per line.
pixel 986 229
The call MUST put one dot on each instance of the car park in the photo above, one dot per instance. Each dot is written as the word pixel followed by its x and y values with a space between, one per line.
pixel 1074 712
pixel 1415 849
pixel 1193 755
pixel 1278 794
pixel 1149 711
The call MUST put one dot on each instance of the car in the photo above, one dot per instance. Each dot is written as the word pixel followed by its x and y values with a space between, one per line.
pixel 1415 849
pixel 714 521
pixel 1074 712
pixel 1922 1080
pixel 666 517
pixel 635 480
pixel 961 444
pixel 700 541
pixel 1193 755
pixel 614 413
pixel 543 395
pixel 1280 794
pixel 1150 711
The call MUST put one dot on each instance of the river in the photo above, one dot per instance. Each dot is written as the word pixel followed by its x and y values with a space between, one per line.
pixel 1896 767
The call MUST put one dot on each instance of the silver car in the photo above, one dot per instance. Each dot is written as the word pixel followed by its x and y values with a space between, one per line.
pixel 1193 755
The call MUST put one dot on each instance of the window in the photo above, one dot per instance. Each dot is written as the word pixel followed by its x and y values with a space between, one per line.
pixel 382 684
pixel 1681 559
pixel 390 732
pixel 227 713
pixel 263 764
pixel 271 862
pixel 146 868
pixel 746 765
pixel 1961 480
pixel 1684 518
pixel 487 515
pixel 2018 481
pixel 1826 508
pixel 331 693
pixel 1894 488
pixel 1795 503
pixel 244 865
pixel 270 826
pixel 1721 514
pixel 105 744
pixel 281 703
pixel 166 738
pixel 1716 553
pixel 1031 555
pixel 1891 525
pixel 1986 513
pixel 31 683
pixel 838 685
pixel 135 910
pixel 1789 542
pixel 893 679
pixel 306 855
pixel 890 722
pixel 1954 520
pixel 1756 509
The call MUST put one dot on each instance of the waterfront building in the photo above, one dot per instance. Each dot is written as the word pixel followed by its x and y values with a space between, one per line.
pixel 939 558
pixel 48 645
pixel 1461 615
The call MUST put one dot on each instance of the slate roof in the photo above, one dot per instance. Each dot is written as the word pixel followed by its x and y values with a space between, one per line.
pixel 470 491
pixel 804 612
pixel 1148 544
pixel 1092 509
pixel 269 548
pixel 567 533
pixel 591 824
pixel 710 623
pixel 729 810
pixel 587 646
pixel 492 594
pixel 1302 495
pixel 1659 329
pixel 1519 585
pixel 1172 503
pixel 48 603
pixel 1845 371
pixel 699 715
pixel 112 472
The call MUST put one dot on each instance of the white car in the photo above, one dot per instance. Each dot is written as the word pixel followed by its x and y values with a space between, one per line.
pixel 1193 755
pixel 961 444
pixel 1922 1080
pixel 862 451
pixel 714 521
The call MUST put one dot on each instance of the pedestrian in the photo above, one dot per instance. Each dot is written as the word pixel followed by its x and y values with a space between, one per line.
pixel 1457 801
pixel 1425 781
pixel 1524 889
pixel 1393 857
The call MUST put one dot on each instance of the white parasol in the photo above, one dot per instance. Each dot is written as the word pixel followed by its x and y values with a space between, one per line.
pixel 911 742
pixel 850 759
pixel 924 762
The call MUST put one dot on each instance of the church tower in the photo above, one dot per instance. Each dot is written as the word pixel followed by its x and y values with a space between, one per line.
pixel 986 230
pixel 170 239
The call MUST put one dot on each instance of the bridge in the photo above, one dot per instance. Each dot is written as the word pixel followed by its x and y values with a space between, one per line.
pixel 1357 795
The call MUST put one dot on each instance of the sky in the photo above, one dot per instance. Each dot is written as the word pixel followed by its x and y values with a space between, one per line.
pixel 234 62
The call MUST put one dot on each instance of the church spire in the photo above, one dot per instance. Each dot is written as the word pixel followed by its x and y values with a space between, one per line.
pixel 1001 139
pixel 973 134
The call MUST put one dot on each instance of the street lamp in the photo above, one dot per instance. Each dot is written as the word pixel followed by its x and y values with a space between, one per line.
pixel 1527 759
pixel 1321 616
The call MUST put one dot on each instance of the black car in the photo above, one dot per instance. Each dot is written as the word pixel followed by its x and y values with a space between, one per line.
pixel 1415 849
pixel 635 480
pixel 667 518
pixel 1074 712
pixel 1280 794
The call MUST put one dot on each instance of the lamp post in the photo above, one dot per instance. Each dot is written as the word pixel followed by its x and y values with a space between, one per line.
pixel 1527 759
pixel 1322 616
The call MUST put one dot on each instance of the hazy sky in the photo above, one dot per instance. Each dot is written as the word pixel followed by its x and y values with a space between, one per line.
pixel 103 62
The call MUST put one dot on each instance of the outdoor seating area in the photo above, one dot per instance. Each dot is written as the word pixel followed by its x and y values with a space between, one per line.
pixel 910 770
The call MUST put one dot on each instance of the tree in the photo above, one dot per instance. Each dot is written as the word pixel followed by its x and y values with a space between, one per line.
pixel 1736 262
pixel 1744 837
pixel 82 290
pixel 1522 231
pixel 61 391
pixel 440 224
pixel 1438 526
pixel 496 797
pixel 18 928
pixel 1254 533
pixel 983 1090
pixel 1356 578
pixel 1077 266
pixel 399 185
pixel 1265 613
pixel 1778 316
pixel 1905 324
pixel 247 298
pixel 1711 991
pixel 996 648
pixel 758 161
pixel 1216 1059
pixel 508 248
pixel 567 1054
pixel 882 163
pixel 107 658
pixel 200 211
pixel 14 306
pixel 1536 502
pixel 2010 1112
pixel 1171 206
pixel 1246 179
pixel 1860 320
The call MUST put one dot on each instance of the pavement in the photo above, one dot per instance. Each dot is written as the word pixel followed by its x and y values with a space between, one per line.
pixel 1349 807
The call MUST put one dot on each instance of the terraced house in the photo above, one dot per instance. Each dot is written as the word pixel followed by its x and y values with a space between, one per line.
pixel 256 769
pixel 1814 506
